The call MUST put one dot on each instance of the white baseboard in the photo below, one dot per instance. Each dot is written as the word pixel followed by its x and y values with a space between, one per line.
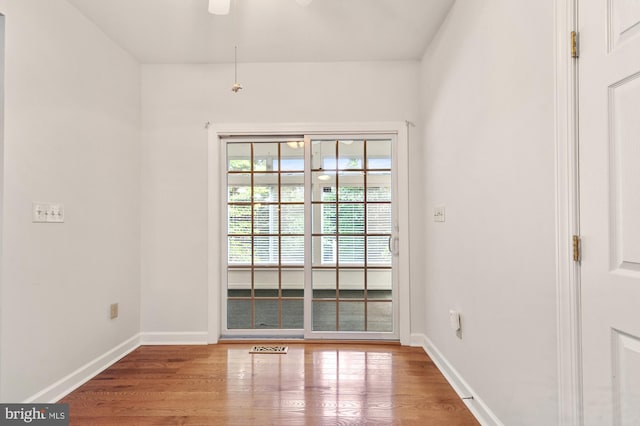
pixel 67 384
pixel 478 408
pixel 174 338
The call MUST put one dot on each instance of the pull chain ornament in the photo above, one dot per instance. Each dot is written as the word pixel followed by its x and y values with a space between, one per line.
pixel 236 86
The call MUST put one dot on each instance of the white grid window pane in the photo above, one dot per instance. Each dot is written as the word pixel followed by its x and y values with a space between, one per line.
pixel 265 250
pixel 378 251
pixel 351 218
pixel 239 249
pixel 239 157
pixel 292 250
pixel 327 218
pixel 379 218
pixel 239 188
pixel 381 192
pixel 328 249
pixel 292 187
pixel 239 219
pixel 265 219
pixel 351 250
pixel 292 218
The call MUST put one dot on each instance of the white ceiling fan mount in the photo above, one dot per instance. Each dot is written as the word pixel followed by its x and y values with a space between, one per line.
pixel 222 7
pixel 219 7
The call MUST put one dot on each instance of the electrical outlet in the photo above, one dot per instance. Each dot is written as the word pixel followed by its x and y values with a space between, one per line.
pixel 114 311
pixel 438 214
pixel 456 322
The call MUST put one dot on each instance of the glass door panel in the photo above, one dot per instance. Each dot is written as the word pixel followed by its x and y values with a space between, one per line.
pixel 352 224
pixel 265 235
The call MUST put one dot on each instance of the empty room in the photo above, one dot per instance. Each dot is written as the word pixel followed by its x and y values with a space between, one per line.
pixel 320 212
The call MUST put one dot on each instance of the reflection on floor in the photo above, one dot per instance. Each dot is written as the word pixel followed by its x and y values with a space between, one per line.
pixel 313 384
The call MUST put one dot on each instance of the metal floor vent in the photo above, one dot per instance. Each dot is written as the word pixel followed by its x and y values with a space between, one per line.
pixel 268 350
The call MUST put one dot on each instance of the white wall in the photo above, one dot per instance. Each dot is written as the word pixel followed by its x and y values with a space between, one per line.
pixel 2 45
pixel 71 136
pixel 487 110
pixel 177 100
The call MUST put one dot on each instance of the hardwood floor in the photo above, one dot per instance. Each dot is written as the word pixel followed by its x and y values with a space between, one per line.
pixel 313 384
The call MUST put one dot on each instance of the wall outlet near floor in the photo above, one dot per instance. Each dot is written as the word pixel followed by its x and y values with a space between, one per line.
pixel 113 313
pixel 455 321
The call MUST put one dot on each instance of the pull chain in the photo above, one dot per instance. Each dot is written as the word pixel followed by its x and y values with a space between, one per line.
pixel 236 86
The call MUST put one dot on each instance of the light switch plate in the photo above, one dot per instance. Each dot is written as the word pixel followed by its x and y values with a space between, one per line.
pixel 38 212
pixel 56 213
pixel 47 212
pixel 438 214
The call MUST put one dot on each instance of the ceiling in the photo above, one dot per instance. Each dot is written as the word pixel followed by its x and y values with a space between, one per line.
pixel 182 31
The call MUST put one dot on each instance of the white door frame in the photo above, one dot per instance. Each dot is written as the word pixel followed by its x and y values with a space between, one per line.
pixel 216 267
pixel 567 217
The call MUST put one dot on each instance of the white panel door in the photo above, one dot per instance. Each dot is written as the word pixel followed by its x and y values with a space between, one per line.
pixel 609 108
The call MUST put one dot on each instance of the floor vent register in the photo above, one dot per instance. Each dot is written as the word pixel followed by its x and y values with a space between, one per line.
pixel 268 350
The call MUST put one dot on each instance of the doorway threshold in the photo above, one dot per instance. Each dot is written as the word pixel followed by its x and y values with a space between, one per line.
pixel 290 340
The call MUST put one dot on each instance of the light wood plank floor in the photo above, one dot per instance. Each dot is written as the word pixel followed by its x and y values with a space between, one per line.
pixel 314 384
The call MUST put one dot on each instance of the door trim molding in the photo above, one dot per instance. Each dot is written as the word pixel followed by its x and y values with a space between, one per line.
pixel 215 177
pixel 214 237
pixel 569 355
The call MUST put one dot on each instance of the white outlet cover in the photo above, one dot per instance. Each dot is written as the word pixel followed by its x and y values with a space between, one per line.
pixel 438 214
pixel 454 320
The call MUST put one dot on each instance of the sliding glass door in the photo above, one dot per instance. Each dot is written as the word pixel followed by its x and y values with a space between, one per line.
pixel 351 236
pixel 309 237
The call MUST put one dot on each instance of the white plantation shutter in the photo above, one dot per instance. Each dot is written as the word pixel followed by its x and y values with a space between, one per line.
pixel 351 250
pixel 267 244
pixel 378 218
pixel 292 230
pixel 292 250
pixel 349 246
pixel 351 221
pixel 378 222
pixel 265 222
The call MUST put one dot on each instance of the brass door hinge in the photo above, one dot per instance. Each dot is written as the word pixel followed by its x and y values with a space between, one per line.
pixel 577 248
pixel 575 48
